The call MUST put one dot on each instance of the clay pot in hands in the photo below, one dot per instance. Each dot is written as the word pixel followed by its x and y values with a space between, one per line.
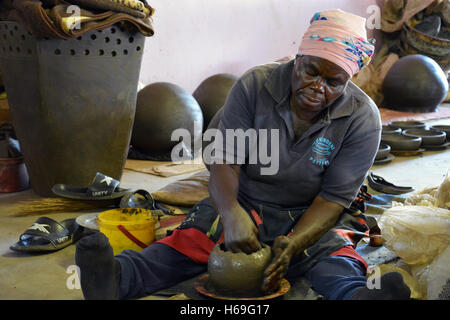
pixel 238 274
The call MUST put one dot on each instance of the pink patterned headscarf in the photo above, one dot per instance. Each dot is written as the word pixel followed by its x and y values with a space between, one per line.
pixel 339 37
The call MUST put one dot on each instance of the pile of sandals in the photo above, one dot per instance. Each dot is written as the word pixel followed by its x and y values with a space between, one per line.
pixel 46 234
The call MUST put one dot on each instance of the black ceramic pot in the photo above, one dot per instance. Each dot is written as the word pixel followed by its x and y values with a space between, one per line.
pixel 238 274
pixel 404 125
pixel 435 46
pixel 161 109
pixel 401 143
pixel 212 93
pixel 429 137
pixel 444 128
pixel 389 129
pixel 383 151
pixel 415 83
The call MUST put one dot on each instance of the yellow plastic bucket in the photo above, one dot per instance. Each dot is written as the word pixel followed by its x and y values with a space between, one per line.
pixel 127 228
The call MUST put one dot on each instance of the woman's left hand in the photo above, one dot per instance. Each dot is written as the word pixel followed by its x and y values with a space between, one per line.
pixel 283 249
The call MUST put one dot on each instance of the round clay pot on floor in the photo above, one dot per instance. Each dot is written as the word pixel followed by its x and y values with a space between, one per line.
pixel 401 142
pixel 415 83
pixel 404 125
pixel 161 109
pixel 429 137
pixel 444 128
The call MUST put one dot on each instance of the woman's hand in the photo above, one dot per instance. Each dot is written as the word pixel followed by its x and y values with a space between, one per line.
pixel 283 249
pixel 241 234
pixel 320 217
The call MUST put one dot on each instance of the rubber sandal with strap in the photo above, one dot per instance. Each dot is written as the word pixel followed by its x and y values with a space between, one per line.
pixel 47 234
pixel 379 184
pixel 101 188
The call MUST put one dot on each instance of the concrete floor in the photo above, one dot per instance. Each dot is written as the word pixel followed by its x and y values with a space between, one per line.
pixel 45 276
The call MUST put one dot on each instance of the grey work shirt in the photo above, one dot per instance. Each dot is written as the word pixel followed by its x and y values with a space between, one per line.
pixel 331 158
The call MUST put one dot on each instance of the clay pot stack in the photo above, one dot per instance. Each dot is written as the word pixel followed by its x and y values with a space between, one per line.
pixel 408 138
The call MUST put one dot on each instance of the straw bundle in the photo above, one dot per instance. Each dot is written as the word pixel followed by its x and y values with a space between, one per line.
pixel 55 205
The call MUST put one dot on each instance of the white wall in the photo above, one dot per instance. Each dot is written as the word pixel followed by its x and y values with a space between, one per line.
pixel 195 39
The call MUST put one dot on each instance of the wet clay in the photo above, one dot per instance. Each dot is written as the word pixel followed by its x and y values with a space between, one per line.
pixel 238 274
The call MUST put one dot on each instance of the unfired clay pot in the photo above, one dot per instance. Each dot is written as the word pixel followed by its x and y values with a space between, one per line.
pixel 238 274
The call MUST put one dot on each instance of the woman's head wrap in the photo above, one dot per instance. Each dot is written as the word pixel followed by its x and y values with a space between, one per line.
pixel 339 37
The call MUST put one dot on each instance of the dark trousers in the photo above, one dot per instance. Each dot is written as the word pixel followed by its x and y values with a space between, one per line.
pixel 184 253
pixel 160 266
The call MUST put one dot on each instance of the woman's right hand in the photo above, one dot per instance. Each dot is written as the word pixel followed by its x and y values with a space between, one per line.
pixel 241 234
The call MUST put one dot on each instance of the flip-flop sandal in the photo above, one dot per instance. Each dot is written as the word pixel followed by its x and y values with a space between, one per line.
pixel 138 199
pixel 48 235
pixel 377 183
pixel 101 188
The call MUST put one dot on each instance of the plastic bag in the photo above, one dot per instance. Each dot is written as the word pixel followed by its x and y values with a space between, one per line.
pixel 416 234
pixel 418 291
pixel 421 237
pixel 435 277
pixel 442 194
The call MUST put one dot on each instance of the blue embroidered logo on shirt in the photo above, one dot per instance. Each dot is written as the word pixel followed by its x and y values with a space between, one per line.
pixel 322 149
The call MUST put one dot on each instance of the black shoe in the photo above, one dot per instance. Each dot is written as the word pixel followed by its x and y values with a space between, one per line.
pixel 391 287
pixel 99 270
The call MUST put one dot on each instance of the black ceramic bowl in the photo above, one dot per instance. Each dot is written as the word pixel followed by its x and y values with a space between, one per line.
pixel 444 128
pixel 383 151
pixel 429 137
pixel 391 129
pixel 399 142
pixel 404 125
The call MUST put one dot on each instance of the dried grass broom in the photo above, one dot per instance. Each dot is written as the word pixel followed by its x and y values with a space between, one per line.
pixel 57 205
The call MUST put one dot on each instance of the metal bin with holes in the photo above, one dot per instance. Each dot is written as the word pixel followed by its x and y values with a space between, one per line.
pixel 72 102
